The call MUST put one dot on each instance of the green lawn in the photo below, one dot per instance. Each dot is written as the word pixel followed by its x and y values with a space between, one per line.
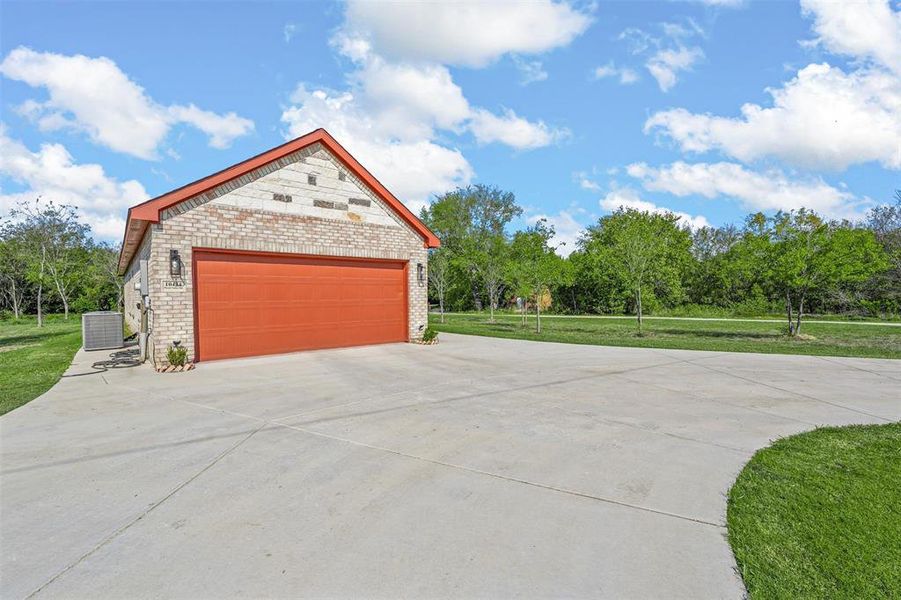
pixel 826 339
pixel 818 515
pixel 33 359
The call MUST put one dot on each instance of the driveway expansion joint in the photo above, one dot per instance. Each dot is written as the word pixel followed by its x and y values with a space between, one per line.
pixel 276 422
pixel 799 394
pixel 512 479
pixel 856 368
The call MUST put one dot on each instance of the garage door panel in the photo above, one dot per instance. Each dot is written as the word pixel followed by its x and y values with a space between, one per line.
pixel 265 304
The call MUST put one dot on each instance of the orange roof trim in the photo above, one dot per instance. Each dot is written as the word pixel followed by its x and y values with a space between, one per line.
pixel 141 215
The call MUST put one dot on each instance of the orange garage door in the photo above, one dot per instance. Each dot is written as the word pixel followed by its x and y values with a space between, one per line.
pixel 248 304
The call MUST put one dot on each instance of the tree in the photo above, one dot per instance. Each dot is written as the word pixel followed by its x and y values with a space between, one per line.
pixel 439 274
pixel 883 290
pixel 105 270
pixel 56 241
pixel 13 269
pixel 744 269
pixel 34 239
pixel 808 255
pixel 488 260
pixel 596 285
pixel 471 223
pixel 706 279
pixel 645 252
pixel 536 266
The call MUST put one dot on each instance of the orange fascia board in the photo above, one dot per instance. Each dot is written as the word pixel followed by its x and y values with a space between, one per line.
pixel 149 211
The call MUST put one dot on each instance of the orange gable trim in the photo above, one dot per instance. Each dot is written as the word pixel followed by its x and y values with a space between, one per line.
pixel 141 215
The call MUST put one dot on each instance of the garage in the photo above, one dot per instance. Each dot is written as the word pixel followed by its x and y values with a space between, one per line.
pixel 255 304
pixel 297 248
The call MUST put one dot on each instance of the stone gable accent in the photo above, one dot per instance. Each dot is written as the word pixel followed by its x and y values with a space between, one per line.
pixel 256 189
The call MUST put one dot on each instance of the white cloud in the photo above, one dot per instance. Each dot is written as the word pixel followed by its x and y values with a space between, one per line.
pixel 605 71
pixel 567 230
pixel 222 129
pixel 52 174
pixel 512 130
pixel 288 32
pixel 627 197
pixel 666 53
pixel 665 65
pixel 768 191
pixel 530 71
pixel 678 31
pixel 864 30
pixel 412 168
pixel 389 119
pixel 626 76
pixel 94 96
pixel 638 40
pixel 353 46
pixel 722 3
pixel 401 98
pixel 822 118
pixel 90 94
pixel 585 182
pixel 470 33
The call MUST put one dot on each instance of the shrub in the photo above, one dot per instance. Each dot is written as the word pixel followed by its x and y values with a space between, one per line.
pixel 751 307
pixel 756 307
pixel 83 304
pixel 6 314
pixel 429 334
pixel 177 355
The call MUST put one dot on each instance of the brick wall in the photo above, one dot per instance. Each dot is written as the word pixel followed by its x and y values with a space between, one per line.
pixel 242 216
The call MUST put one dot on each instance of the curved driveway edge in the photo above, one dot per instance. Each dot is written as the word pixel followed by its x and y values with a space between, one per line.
pixel 477 467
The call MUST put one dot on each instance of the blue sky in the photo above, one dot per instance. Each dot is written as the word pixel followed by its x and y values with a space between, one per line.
pixel 708 109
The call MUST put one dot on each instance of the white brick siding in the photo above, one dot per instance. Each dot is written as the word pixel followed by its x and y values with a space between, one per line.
pixel 131 296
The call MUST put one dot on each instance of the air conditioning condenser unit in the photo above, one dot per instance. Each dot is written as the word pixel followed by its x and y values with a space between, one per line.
pixel 102 330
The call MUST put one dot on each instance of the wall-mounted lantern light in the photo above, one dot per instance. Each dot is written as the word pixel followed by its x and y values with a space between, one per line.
pixel 420 273
pixel 174 263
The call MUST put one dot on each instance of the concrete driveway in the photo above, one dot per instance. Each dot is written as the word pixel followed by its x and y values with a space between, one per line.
pixel 476 468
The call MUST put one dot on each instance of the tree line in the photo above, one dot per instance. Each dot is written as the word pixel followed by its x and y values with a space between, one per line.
pixel 50 264
pixel 629 262
pixel 636 262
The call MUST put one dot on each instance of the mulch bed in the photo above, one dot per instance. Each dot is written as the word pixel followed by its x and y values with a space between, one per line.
pixel 174 369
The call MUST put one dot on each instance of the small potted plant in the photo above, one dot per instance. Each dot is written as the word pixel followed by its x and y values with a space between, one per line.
pixel 429 337
pixel 177 356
